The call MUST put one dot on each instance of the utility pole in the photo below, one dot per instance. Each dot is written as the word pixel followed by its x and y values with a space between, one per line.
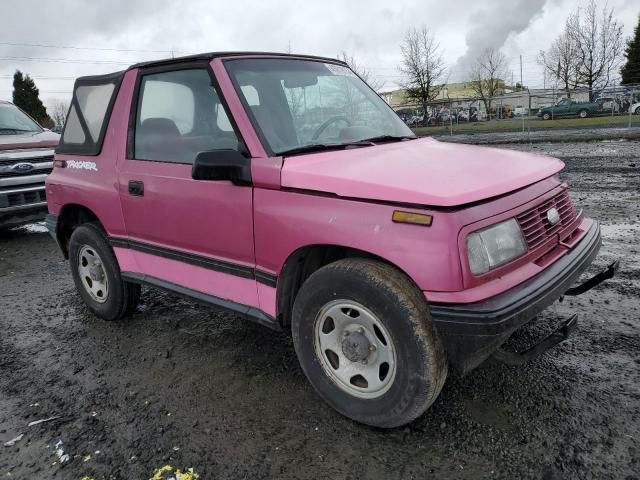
pixel 522 89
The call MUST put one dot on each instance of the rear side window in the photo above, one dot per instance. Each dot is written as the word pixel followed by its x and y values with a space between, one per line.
pixel 180 114
pixel 89 114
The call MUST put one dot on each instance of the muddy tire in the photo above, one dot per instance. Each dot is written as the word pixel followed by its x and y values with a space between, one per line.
pixel 96 273
pixel 365 340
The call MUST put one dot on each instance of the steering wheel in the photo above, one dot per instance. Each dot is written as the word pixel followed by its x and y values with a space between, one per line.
pixel 331 121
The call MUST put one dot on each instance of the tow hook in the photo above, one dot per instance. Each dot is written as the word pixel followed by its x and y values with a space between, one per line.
pixel 597 279
pixel 560 335
pixel 567 328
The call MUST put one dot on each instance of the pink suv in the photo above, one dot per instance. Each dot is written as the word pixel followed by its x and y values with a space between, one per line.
pixel 282 187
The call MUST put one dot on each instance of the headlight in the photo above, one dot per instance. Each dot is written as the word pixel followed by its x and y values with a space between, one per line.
pixel 494 246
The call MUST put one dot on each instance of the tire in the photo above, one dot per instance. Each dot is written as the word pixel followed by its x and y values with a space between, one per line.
pixel 583 113
pixel 637 111
pixel 117 298
pixel 416 370
pixel 546 116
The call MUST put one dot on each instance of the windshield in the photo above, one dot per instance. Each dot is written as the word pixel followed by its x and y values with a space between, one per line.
pixel 299 103
pixel 14 120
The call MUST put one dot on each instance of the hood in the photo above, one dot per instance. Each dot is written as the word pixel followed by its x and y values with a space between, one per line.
pixel 29 140
pixel 422 172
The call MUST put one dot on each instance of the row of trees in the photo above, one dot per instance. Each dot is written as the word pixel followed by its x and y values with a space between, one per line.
pixel 589 51
pixel 424 69
pixel 587 54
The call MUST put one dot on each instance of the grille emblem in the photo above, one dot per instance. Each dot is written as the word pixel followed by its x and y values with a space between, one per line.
pixel 22 167
pixel 553 216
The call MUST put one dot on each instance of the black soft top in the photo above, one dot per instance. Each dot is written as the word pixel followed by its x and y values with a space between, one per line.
pixel 115 77
pixel 211 55
pixel 77 135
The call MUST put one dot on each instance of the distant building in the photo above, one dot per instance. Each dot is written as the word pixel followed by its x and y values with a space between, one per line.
pixel 462 95
pixel 451 91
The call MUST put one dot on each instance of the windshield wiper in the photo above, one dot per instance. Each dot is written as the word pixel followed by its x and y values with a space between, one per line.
pixel 19 130
pixel 389 138
pixel 319 147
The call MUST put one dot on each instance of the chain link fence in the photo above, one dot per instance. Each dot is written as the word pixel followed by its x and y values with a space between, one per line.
pixel 528 110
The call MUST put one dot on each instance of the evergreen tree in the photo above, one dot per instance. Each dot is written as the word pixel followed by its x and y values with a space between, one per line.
pixel 631 70
pixel 26 96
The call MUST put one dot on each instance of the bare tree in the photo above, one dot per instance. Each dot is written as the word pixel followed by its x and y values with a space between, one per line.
pixel 422 66
pixel 361 70
pixel 599 46
pixel 561 60
pixel 487 76
pixel 59 113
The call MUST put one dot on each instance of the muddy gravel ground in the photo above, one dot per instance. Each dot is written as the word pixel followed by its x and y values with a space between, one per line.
pixel 188 386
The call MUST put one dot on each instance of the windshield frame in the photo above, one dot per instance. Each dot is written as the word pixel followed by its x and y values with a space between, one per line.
pixel 39 128
pixel 254 122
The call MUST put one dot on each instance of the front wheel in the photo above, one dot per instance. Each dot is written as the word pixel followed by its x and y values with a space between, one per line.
pixel 546 116
pixel 365 340
pixel 96 273
pixel 583 114
pixel 637 112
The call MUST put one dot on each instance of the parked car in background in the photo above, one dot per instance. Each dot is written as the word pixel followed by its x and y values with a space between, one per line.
pixel 391 258
pixel 569 108
pixel 26 158
pixel 608 105
pixel 521 111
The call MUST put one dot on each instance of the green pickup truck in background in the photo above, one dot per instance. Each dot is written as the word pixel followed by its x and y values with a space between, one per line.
pixel 570 108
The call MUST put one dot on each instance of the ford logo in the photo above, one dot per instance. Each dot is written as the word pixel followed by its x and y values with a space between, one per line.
pixel 22 167
pixel 553 216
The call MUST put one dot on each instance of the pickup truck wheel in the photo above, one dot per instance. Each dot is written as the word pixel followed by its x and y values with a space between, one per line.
pixel 365 340
pixel 546 116
pixel 583 113
pixel 96 273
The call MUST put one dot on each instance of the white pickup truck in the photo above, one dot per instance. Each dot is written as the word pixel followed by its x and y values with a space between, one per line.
pixel 26 158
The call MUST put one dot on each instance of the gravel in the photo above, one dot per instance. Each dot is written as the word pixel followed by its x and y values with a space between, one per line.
pixel 196 387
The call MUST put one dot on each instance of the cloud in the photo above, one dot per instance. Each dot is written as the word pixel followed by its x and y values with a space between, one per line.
pixel 493 22
pixel 370 30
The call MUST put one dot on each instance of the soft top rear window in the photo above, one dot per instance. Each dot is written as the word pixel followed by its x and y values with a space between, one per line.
pixel 89 114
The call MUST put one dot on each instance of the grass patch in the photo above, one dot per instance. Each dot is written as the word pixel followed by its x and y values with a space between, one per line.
pixel 515 124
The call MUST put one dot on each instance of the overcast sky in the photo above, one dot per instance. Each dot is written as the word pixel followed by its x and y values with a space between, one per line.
pixel 370 30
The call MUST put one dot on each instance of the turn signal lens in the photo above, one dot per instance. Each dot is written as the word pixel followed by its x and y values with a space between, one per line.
pixel 414 218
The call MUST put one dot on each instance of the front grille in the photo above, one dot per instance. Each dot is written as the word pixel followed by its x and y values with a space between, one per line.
pixel 18 199
pixel 534 223
pixel 13 161
pixel 40 171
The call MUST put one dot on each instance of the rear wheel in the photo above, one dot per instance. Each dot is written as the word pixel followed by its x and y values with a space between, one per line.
pixel 365 340
pixel 637 112
pixel 96 274
pixel 583 114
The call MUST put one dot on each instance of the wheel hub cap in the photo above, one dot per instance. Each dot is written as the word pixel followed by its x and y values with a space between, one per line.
pixel 96 273
pixel 356 347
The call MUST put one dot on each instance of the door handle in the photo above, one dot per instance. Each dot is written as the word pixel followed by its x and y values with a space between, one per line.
pixel 136 188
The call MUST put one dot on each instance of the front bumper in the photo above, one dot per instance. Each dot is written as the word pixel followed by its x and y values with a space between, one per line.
pixel 473 332
pixel 22 204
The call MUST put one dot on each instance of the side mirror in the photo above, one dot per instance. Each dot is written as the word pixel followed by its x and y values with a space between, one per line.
pixel 222 165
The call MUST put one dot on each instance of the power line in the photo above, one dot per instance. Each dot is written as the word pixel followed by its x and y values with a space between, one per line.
pixel 98 49
pixel 64 60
